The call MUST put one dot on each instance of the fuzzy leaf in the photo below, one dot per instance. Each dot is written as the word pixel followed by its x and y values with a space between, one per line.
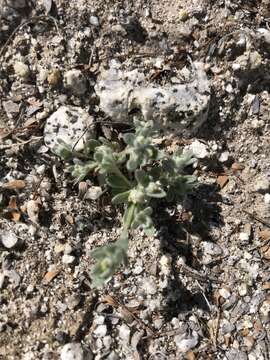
pixel 116 182
pixel 108 259
pixel 63 150
pixel 137 196
pixel 129 138
pixel 143 219
pixel 154 190
pixel 129 215
pixel 91 145
pixel 104 156
pixel 132 163
pixel 121 198
pixel 182 160
pixel 142 177
pixel 80 171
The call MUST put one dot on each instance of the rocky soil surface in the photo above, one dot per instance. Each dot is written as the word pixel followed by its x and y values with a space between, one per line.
pixel 75 69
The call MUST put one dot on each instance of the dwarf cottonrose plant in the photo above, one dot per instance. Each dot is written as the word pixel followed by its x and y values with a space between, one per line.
pixel 137 176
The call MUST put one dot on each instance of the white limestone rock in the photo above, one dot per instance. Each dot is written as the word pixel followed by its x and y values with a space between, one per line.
pixel 69 124
pixel 174 107
pixel 198 149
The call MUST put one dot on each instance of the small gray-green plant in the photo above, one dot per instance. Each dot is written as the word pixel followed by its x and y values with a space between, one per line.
pixel 136 175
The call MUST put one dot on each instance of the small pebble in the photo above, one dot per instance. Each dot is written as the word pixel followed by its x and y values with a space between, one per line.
pixel 68 249
pixel 224 156
pixel 243 236
pixel 113 356
pixel 73 301
pixel 149 286
pixel 68 259
pixel 229 88
pixel 257 124
pixel 62 337
pixel 107 341
pixel 248 342
pixel 2 280
pixel 158 323
pixel 59 248
pixel 267 199
pixel 11 108
pixel 137 270
pixel 165 263
pixel 69 124
pixel 186 344
pixel 265 34
pixel 211 248
pixel 243 288
pixel 100 331
pixel 75 351
pixel 265 309
pixel 54 77
pixel 199 149
pixel 21 70
pixel 75 82
pixel 41 169
pixel 99 320
pixel 94 20
pixel 262 185
pixel 93 193
pixel 225 293
pixel 124 333
pixel 9 239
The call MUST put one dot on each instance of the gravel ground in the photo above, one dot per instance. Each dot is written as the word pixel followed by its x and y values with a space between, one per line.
pixel 199 289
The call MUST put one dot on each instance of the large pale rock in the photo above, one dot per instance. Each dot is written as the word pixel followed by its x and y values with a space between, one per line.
pixel 174 106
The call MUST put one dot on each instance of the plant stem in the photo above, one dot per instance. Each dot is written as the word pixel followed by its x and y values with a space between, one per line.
pixel 129 219
pixel 123 240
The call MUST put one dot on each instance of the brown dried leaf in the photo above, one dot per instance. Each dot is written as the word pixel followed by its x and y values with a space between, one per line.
pixel 15 216
pixel 14 185
pixel 12 204
pixel 70 219
pixel 245 332
pixel 13 211
pixel 4 132
pixel 33 210
pixel 248 229
pixel 266 286
pixel 236 167
pixel 265 251
pixel 50 275
pixel 222 180
pixel 108 299
pixel 227 339
pixel 54 77
pixel 23 209
pixel 264 235
pixel 190 355
pixel 30 122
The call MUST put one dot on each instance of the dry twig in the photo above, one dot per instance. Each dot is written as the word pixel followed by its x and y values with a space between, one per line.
pixel 110 300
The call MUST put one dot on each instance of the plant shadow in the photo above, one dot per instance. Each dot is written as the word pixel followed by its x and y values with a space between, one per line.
pixel 179 236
